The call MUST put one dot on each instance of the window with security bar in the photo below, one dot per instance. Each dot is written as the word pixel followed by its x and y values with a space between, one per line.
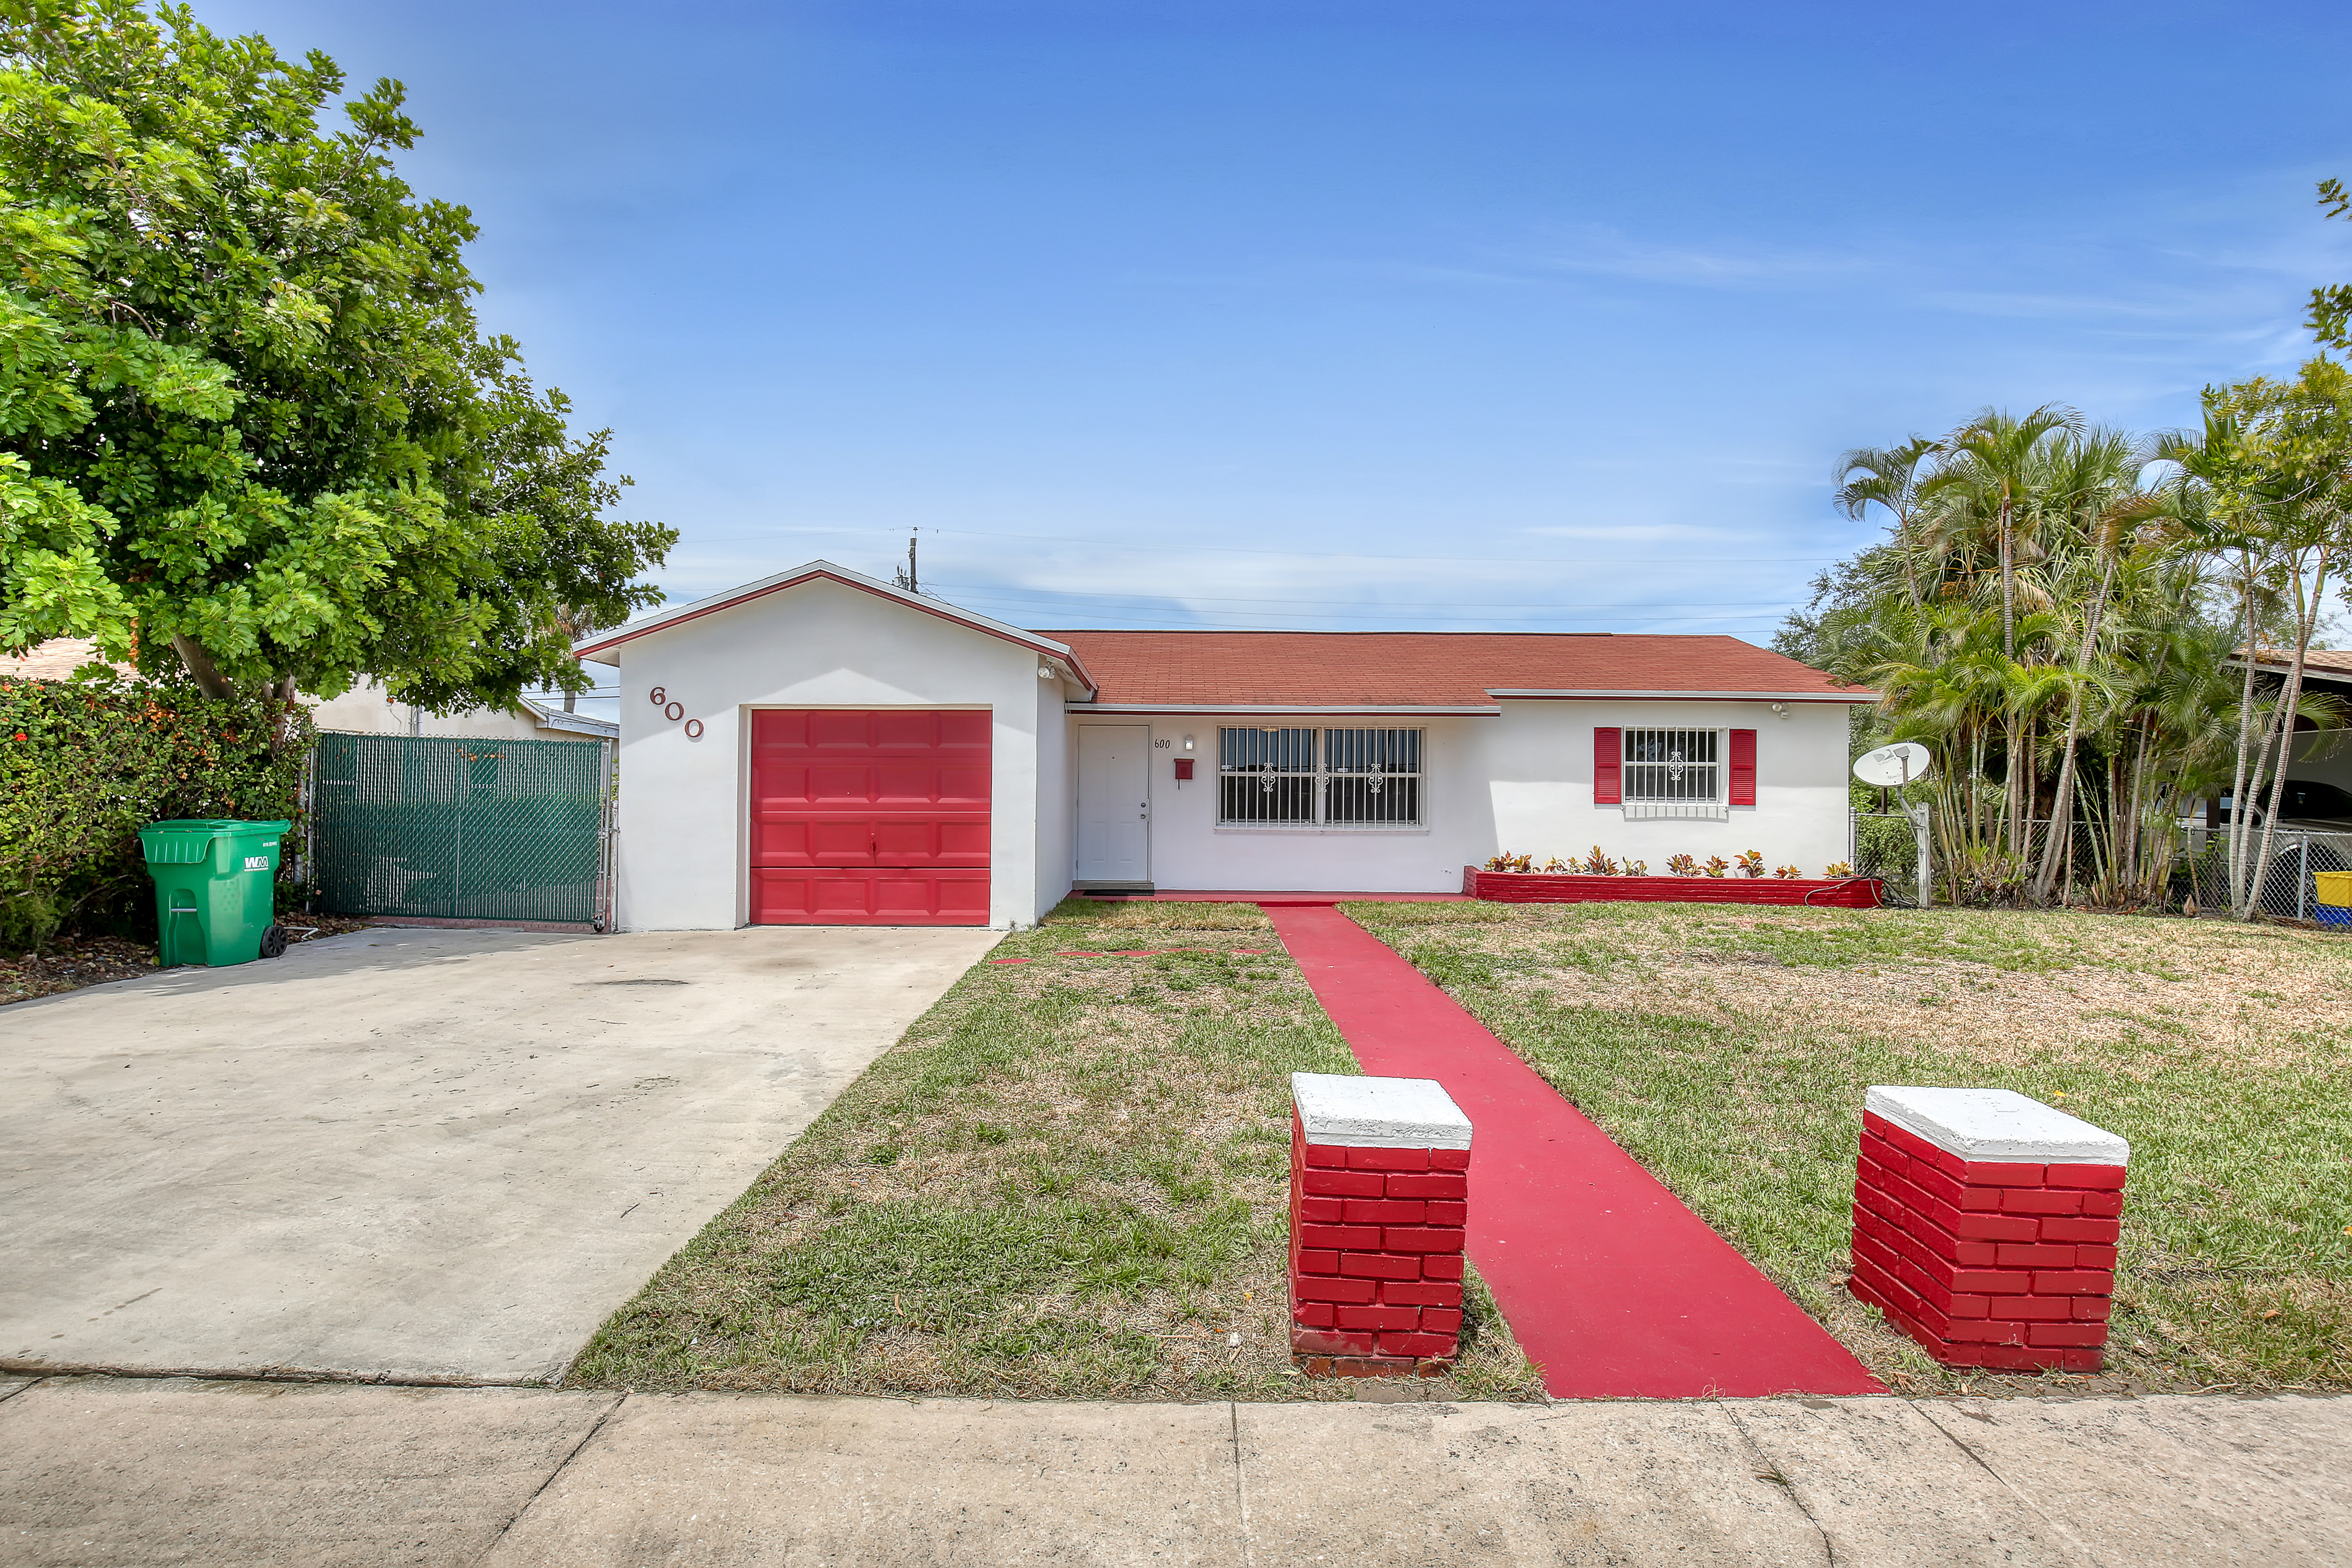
pixel 1674 773
pixel 1340 778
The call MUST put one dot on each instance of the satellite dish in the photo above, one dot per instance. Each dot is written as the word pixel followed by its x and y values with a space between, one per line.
pixel 1906 761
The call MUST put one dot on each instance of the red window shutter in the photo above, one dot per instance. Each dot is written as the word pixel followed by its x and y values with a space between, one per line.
pixel 1743 767
pixel 1608 766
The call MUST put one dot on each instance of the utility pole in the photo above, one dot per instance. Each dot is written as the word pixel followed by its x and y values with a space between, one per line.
pixel 913 584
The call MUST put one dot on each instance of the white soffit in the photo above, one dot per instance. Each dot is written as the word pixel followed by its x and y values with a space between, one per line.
pixel 1997 1125
pixel 1377 1113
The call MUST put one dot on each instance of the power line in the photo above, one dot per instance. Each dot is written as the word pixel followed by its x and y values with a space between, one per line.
pixel 1161 620
pixel 1162 546
pixel 1178 600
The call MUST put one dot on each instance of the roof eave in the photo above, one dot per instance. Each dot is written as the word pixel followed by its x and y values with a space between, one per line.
pixel 1438 709
pixel 1611 694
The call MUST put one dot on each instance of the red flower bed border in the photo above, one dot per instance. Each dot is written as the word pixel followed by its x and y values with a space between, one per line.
pixel 1541 887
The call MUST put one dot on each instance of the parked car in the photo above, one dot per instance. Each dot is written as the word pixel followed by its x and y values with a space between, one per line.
pixel 2307 805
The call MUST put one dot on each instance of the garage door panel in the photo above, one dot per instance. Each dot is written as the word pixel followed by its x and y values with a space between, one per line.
pixel 916 782
pixel 843 782
pixel 839 730
pixel 878 816
pixel 963 843
pixel 781 897
pixel 839 843
pixel 968 730
pixel 781 844
pixel 916 730
pixel 783 781
pixel 781 731
pixel 964 784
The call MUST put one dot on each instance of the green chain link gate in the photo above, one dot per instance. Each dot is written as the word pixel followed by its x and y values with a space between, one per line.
pixel 463 829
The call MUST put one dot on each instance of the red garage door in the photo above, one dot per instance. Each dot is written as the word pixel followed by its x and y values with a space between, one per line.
pixel 869 817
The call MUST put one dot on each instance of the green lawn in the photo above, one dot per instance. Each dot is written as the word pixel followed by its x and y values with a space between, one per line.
pixel 1069 1180
pixel 1728 1049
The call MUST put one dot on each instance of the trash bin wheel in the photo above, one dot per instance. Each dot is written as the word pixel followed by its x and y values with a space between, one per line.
pixel 273 943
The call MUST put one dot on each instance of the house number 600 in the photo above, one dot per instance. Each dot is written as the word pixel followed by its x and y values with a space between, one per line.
pixel 674 710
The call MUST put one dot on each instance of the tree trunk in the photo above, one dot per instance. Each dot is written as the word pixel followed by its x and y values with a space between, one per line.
pixel 2008 591
pixel 201 669
pixel 2062 813
pixel 2306 624
pixel 2236 853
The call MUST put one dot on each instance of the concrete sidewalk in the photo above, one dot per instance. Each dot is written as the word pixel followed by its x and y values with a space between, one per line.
pixel 103 1471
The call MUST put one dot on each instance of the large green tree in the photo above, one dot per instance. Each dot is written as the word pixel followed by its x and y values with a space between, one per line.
pixel 251 426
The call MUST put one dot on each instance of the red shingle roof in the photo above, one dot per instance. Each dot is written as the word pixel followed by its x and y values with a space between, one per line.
pixel 1428 669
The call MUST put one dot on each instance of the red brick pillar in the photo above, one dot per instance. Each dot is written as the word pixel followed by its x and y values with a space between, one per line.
pixel 1984 1226
pixel 1379 1192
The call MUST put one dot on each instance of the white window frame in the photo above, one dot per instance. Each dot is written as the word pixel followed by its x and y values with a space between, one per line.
pixel 1681 788
pixel 1319 777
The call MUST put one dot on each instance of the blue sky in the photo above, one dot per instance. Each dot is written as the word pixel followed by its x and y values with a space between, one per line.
pixel 1351 315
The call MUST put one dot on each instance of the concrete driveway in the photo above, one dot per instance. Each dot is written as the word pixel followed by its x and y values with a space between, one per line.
pixel 419 1153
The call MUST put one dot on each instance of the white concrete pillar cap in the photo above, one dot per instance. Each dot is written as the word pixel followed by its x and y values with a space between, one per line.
pixel 1377 1113
pixel 1997 1125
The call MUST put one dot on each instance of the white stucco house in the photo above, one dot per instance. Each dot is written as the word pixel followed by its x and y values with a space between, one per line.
pixel 822 747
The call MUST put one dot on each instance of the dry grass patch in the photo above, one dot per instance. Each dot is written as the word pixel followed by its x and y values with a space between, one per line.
pixel 1069 1180
pixel 1729 1049
pixel 1145 914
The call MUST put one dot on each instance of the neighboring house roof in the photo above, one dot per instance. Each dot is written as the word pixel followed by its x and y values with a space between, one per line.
pixel 604 642
pixel 1441 672
pixel 2334 661
pixel 55 659
pixel 59 658
pixel 554 718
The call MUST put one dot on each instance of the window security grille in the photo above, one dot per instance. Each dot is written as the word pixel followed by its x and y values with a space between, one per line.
pixel 1674 773
pixel 1332 777
pixel 1266 775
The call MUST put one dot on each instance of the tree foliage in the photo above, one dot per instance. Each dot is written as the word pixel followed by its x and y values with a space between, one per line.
pixel 251 426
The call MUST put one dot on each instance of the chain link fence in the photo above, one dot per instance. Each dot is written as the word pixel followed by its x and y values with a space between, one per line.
pixel 462 828
pixel 1991 875
pixel 2289 888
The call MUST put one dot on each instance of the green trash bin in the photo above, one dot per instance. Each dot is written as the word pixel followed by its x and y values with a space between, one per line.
pixel 215 889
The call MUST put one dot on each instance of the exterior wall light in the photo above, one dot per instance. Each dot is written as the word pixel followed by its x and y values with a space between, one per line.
pixel 1044 671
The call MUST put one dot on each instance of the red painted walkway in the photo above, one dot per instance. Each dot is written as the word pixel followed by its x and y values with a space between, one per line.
pixel 1614 1287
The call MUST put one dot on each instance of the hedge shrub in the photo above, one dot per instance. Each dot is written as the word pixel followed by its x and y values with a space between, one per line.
pixel 85 763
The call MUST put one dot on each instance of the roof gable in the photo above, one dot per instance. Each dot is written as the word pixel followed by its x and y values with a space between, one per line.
pixel 595 643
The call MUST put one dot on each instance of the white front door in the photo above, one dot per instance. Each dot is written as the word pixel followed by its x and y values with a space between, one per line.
pixel 1115 803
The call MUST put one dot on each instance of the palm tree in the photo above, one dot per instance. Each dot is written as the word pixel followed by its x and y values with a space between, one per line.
pixel 1993 458
pixel 1888 476
pixel 575 624
pixel 2102 506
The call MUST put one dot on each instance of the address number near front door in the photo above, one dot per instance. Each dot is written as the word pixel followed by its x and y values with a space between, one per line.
pixel 674 710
